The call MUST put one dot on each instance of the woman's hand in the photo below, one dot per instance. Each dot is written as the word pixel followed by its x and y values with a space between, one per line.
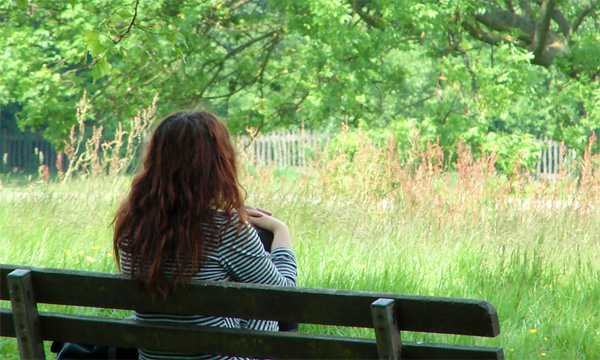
pixel 263 219
pixel 256 208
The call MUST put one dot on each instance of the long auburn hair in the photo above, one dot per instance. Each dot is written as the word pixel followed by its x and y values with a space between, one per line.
pixel 189 171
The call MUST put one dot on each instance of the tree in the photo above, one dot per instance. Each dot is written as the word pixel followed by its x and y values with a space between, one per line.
pixel 492 74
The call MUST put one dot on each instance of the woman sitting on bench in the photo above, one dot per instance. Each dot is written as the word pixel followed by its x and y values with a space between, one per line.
pixel 184 219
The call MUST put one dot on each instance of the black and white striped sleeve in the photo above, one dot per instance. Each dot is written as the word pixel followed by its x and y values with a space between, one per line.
pixel 245 259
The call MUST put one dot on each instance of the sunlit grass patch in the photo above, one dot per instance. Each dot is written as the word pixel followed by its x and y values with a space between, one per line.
pixel 380 221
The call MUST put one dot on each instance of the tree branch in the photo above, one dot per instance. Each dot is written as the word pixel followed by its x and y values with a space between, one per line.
pixel 263 66
pixel 455 43
pixel 501 20
pixel 526 8
pixel 489 38
pixel 238 4
pixel 543 27
pixel 221 64
pixel 373 21
pixel 510 6
pixel 536 37
pixel 581 16
pixel 137 2
pixel 413 104
pixel 249 43
pixel 562 22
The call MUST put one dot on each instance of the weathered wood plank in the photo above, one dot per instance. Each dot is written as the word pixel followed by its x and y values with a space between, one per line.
pixel 317 306
pixel 418 350
pixel 209 340
pixel 387 335
pixel 83 329
pixel 25 315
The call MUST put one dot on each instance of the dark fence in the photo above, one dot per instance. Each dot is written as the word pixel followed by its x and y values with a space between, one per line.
pixel 25 153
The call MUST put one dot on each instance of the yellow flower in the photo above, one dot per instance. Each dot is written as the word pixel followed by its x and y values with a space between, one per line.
pixel 67 251
pixel 95 247
pixel 543 354
pixel 533 331
pixel 90 259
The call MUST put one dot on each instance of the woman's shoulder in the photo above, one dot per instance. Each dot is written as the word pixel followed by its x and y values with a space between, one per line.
pixel 223 218
pixel 230 225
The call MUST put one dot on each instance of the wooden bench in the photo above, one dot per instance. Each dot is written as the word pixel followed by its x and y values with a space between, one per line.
pixel 387 313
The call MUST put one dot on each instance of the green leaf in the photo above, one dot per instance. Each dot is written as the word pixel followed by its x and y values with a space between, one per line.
pixel 90 35
pixel 101 68
pixel 22 3
pixel 181 55
pixel 72 3
pixel 92 40
pixel 181 38
pixel 95 47
pixel 125 13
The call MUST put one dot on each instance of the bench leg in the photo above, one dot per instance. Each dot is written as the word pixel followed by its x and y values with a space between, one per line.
pixel 387 334
pixel 25 314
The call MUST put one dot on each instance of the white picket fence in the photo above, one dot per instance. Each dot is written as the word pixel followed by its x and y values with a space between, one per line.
pixel 553 158
pixel 293 149
pixel 284 148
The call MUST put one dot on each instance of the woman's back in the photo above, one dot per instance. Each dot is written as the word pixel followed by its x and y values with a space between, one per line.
pixel 233 256
pixel 185 219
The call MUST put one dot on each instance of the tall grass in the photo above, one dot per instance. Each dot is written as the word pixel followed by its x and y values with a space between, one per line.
pixel 385 219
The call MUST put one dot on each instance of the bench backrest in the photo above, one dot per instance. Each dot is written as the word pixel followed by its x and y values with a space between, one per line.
pixel 387 313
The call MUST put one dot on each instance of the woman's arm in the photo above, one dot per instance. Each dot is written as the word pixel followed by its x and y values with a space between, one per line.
pixel 243 256
pixel 263 219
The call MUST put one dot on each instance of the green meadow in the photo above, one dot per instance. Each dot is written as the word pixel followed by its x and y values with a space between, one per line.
pixel 373 220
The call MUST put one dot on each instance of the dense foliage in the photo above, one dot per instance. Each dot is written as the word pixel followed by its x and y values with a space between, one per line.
pixel 492 74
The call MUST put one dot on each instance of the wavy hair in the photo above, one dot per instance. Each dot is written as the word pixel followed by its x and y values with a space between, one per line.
pixel 189 171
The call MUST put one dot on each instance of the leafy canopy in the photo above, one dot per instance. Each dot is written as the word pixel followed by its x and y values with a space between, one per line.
pixel 491 74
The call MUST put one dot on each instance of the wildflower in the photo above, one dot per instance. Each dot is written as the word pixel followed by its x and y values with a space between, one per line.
pixel 90 259
pixel 533 331
pixel 67 251
pixel 95 247
pixel 543 354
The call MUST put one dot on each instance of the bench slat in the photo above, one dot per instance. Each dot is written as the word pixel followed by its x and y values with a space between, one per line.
pixel 419 351
pixel 84 329
pixel 319 306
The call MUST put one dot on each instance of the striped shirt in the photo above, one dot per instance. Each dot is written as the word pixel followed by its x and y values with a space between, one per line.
pixel 235 256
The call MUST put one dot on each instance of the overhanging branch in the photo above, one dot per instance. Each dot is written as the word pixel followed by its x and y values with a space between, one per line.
pixel 488 37
pixel 504 21
pixel 137 2
pixel 582 14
